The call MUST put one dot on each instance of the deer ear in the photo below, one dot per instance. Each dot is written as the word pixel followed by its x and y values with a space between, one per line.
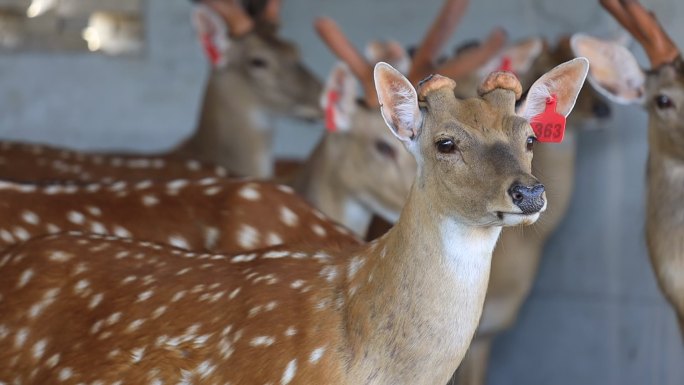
pixel 398 102
pixel 212 32
pixel 517 58
pixel 339 98
pixel 615 72
pixel 565 82
pixel 391 52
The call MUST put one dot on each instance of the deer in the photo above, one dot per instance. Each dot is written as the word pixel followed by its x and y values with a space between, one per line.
pixel 341 175
pixel 364 314
pixel 519 252
pixel 255 75
pixel 660 90
pixel 206 215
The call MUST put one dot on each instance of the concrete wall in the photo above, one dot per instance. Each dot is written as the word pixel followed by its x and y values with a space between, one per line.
pixel 595 317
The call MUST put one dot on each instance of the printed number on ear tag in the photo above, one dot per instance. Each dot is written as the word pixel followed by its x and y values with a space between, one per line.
pixel 549 126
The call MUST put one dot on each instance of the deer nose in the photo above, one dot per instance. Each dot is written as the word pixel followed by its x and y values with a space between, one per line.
pixel 601 110
pixel 530 199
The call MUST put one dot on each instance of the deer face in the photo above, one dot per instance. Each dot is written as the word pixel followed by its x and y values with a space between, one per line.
pixel 616 74
pixel 478 149
pixel 270 67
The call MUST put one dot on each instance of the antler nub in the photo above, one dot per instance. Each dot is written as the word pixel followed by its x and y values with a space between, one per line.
pixel 433 83
pixel 501 80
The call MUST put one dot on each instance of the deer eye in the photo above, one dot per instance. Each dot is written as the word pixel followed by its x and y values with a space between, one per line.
pixel 530 143
pixel 663 102
pixel 446 146
pixel 384 149
pixel 258 62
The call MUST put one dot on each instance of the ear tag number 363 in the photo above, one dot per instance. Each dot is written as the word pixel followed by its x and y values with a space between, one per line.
pixel 549 126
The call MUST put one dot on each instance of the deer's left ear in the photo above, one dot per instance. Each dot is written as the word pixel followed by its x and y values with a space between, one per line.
pixel 564 82
pixel 398 102
pixel 212 32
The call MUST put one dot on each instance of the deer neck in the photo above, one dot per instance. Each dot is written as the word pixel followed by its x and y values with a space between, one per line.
pixel 665 222
pixel 420 286
pixel 234 130
pixel 319 182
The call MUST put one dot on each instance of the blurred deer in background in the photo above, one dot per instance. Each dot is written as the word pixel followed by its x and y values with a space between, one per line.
pixel 255 74
pixel 401 310
pixel 518 253
pixel 617 74
pixel 208 215
pixel 358 169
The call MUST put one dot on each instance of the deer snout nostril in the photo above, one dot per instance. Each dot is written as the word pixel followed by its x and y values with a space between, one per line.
pixel 530 199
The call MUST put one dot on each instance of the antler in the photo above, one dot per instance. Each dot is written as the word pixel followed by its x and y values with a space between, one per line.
pixel 335 39
pixel 475 57
pixel 272 12
pixel 236 17
pixel 434 40
pixel 644 26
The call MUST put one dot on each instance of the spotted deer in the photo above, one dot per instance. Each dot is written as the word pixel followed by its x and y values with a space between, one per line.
pixel 207 215
pixel 255 75
pixel 358 169
pixel 617 74
pixel 366 314
pixel 518 253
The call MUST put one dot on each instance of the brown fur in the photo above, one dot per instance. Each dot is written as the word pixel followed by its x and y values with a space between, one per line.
pixel 378 311
pixel 209 215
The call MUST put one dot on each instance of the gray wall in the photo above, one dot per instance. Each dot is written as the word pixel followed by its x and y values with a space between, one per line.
pixel 595 316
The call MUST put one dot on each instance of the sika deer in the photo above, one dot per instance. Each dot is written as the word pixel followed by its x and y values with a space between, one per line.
pixel 518 254
pixel 660 90
pixel 209 215
pixel 370 315
pixel 255 74
pixel 358 169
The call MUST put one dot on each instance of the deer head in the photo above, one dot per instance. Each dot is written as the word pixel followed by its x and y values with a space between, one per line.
pixel 362 160
pixel 490 171
pixel 271 66
pixel 616 73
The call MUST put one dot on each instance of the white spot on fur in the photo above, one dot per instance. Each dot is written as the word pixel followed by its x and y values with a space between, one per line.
pixel 290 331
pixel 65 374
pixel 250 192
pixel 275 254
pixel 25 278
pixel 213 190
pixel 354 265
pixel 248 237
pixel 137 354
pixel 30 217
pixel 262 341
pixel 179 242
pixel 144 296
pixel 288 216
pixel 290 371
pixel 121 232
pixel 329 273
pixel 21 233
pixel 75 217
pixel 60 256
pixel 150 200
pixel 98 228
pixel 6 236
pixel 94 211
pixel 20 338
pixel 39 349
pixel 52 228
pixel 316 355
pixel 193 165
pixel 319 230
pixel 52 361
pixel 211 237
pixel 135 325
pixel 97 298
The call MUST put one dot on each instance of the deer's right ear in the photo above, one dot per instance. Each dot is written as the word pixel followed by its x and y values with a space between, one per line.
pixel 615 72
pixel 212 32
pixel 339 98
pixel 398 102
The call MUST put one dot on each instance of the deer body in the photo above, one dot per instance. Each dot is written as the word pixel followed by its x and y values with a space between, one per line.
pixel 661 91
pixel 255 75
pixel 371 314
pixel 209 215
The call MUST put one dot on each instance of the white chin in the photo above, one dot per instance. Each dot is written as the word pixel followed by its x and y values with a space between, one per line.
pixel 509 219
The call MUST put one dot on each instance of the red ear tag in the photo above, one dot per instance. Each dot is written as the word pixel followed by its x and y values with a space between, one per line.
pixel 506 65
pixel 333 97
pixel 210 49
pixel 549 126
